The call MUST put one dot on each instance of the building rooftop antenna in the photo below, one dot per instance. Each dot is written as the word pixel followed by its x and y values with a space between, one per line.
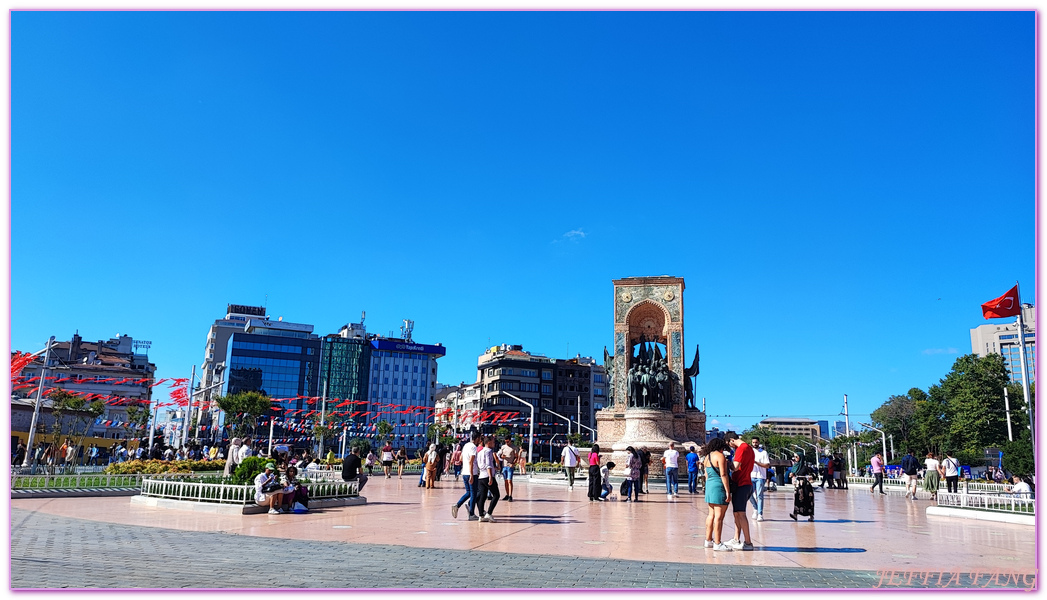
pixel 406 329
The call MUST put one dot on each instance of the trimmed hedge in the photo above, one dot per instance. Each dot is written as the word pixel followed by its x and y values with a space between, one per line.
pixel 155 467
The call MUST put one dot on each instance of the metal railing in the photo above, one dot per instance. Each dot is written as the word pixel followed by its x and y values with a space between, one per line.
pixel 43 469
pixel 81 481
pixel 242 494
pixel 970 486
pixel 992 502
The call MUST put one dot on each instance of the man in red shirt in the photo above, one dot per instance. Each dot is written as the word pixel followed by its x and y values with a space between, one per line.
pixel 741 481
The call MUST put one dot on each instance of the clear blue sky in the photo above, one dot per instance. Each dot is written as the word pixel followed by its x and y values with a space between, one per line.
pixel 840 191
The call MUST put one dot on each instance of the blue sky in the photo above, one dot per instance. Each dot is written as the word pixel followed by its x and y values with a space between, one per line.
pixel 840 190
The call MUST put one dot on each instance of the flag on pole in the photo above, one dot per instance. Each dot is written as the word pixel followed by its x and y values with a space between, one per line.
pixel 1006 305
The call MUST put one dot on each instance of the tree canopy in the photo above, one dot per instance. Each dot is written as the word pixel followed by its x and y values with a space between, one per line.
pixel 243 410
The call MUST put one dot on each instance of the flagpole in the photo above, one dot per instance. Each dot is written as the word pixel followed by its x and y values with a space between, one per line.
pixel 1025 371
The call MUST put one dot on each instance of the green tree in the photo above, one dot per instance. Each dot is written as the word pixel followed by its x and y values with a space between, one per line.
pixel 137 419
pixel 896 417
pixel 243 409
pixel 324 430
pixel 1018 457
pixel 930 426
pixel 72 416
pixel 384 429
pixel 972 394
pixel 362 443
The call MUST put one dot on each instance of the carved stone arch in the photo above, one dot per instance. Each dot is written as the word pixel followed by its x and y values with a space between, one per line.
pixel 648 319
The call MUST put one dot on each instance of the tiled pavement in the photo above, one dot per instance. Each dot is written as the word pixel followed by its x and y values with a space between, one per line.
pixel 100 542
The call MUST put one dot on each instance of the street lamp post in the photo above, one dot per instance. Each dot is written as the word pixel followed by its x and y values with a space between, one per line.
pixel 39 400
pixel 530 436
pixel 883 436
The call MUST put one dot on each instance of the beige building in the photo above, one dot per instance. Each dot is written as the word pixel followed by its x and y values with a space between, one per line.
pixel 792 427
pixel 1002 339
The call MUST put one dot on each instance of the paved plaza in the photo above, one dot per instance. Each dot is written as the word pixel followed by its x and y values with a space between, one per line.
pixel 549 537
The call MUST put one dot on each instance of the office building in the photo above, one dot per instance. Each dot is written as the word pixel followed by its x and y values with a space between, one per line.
pixel 788 426
pixel 823 429
pixel 530 377
pixel 345 367
pixel 277 358
pixel 1002 339
pixel 403 373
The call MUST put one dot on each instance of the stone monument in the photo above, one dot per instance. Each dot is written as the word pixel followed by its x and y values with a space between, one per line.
pixel 652 401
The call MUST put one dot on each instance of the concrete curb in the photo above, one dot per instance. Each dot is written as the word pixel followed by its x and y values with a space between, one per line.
pixel 21 494
pixel 215 508
pixel 981 515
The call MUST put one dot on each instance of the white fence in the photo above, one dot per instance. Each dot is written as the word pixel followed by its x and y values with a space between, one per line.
pixel 991 502
pixel 81 481
pixel 967 485
pixel 237 494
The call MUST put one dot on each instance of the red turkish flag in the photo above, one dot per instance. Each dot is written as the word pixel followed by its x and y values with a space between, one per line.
pixel 1005 306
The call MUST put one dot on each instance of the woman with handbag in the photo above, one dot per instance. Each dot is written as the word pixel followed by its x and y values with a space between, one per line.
pixel 430 461
pixel 269 490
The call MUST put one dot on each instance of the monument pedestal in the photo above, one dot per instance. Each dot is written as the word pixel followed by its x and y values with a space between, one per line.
pixel 652 430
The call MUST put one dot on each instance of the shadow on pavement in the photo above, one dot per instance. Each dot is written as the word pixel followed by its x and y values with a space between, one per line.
pixel 811 550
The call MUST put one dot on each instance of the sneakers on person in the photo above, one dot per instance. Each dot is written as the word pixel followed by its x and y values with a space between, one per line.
pixel 474 518
pixel 747 546
pixel 485 519
pixel 792 516
pixel 509 498
pixel 759 517
pixel 755 514
pixel 273 511
pixel 506 497
pixel 669 496
pixel 721 548
pixel 734 544
pixel 570 488
pixel 709 544
pixel 454 511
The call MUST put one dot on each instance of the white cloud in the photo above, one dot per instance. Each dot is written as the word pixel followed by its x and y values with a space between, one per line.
pixel 941 351
pixel 714 422
pixel 573 236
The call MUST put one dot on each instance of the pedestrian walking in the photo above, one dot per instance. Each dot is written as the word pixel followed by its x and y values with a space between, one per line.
pixel 645 470
pixel 670 461
pixel 488 485
pixel 430 463
pixel 876 466
pixel 692 471
pixel 951 468
pixel 595 478
pixel 387 458
pixel 910 470
pixel 569 460
pixel 717 493
pixel 456 461
pixel 401 461
pixel 803 499
pixel 469 476
pixel 932 477
pixel 761 461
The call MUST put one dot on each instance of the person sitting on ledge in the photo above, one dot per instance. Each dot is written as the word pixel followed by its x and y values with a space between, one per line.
pixel 274 498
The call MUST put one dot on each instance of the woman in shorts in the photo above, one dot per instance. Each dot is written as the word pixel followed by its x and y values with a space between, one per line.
pixel 401 461
pixel 717 492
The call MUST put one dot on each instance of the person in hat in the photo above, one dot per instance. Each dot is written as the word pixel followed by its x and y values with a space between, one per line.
pixel 273 498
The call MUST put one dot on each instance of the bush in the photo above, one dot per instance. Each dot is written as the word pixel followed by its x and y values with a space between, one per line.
pixel 247 470
pixel 155 467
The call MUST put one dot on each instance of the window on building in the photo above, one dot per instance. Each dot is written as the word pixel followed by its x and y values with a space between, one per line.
pixel 386 367
pixel 547 375
pixel 547 389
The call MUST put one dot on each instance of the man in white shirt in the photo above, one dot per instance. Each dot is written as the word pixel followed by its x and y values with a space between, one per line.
pixel 469 473
pixel 671 461
pixel 1020 489
pixel 952 473
pixel 761 462
pixel 245 450
pixel 569 459
pixel 486 485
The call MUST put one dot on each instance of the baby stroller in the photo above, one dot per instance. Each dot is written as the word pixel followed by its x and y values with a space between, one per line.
pixel 803 500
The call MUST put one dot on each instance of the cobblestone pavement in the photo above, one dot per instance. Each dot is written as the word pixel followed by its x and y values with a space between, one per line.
pixel 52 551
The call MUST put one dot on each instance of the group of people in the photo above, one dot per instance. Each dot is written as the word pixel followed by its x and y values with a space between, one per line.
pixel 281 497
pixel 480 463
